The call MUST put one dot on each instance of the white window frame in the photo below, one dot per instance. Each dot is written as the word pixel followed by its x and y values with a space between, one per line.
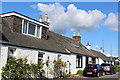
pixel 40 57
pixel 9 54
pixel 35 29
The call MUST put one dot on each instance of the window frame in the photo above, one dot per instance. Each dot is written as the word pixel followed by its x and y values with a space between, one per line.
pixel 36 26
pixel 9 52
pixel 40 58
pixel 78 63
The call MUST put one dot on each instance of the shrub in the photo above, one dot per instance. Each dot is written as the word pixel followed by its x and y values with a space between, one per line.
pixel 15 68
pixel 117 68
pixel 18 68
pixel 59 66
pixel 80 72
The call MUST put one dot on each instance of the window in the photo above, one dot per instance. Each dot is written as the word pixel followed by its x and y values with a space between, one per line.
pixel 93 59
pixel 25 27
pixel 78 61
pixel 87 61
pixel 38 31
pixel 11 52
pixel 40 56
pixel 58 57
pixel 31 28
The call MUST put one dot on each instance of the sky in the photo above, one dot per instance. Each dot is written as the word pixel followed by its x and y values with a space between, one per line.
pixel 97 21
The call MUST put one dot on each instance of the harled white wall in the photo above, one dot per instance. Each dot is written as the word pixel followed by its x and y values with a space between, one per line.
pixel 3 57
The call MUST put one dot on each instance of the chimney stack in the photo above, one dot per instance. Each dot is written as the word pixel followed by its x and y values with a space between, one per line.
pixel 46 21
pixel 77 38
pixel 40 18
pixel 101 50
pixel 88 46
pixel 46 18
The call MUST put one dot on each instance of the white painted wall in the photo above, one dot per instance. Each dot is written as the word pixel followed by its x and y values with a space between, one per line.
pixel 32 56
pixel 53 56
pixel 3 57
pixel 72 60
pixel 97 60
pixel 100 61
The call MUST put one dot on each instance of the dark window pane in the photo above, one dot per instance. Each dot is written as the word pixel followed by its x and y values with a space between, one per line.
pixel 91 66
pixel 79 61
pixel 31 29
pixel 25 27
pixel 40 55
pixel 105 64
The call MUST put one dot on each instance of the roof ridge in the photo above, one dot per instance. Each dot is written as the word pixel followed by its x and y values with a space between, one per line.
pixel 63 36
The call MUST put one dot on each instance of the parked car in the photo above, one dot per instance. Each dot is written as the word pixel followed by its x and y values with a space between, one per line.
pixel 93 70
pixel 108 68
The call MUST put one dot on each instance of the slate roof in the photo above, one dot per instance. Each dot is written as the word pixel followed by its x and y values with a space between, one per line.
pixel 101 55
pixel 17 39
pixel 55 42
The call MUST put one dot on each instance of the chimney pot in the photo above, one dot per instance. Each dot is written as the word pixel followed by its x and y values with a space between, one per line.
pixel 40 18
pixel 46 18
pixel 88 46
pixel 101 50
pixel 78 32
pixel 74 34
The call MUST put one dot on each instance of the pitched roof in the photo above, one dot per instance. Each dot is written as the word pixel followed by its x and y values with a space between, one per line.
pixel 101 55
pixel 55 42
pixel 72 45
pixel 17 39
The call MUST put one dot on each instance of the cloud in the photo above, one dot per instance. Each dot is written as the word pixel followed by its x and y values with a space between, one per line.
pixel 112 22
pixel 62 18
pixel 97 47
pixel 108 55
pixel 34 6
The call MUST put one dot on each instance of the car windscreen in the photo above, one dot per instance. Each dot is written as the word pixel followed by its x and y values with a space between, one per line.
pixel 105 64
pixel 91 66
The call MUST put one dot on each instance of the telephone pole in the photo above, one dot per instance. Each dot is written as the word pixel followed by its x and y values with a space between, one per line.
pixel 103 44
pixel 111 51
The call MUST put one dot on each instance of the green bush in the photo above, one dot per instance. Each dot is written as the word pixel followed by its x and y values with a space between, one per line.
pixel 80 72
pixel 18 68
pixel 117 68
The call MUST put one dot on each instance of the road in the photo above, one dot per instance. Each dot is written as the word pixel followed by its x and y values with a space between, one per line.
pixel 110 76
pixel 106 77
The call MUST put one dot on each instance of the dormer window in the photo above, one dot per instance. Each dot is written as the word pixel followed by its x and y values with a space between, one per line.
pixel 24 26
pixel 32 29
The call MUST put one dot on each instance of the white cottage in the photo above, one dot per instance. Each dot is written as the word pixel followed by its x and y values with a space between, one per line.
pixel 22 37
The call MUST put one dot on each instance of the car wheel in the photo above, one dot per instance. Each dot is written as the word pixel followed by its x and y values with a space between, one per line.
pixel 103 73
pixel 114 72
pixel 111 72
pixel 98 74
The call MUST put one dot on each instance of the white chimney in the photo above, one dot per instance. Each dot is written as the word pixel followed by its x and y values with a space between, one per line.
pixel 88 46
pixel 46 18
pixel 74 34
pixel 101 50
pixel 40 18
pixel 78 32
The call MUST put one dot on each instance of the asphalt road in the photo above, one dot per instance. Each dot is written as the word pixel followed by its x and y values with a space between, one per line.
pixel 106 77
pixel 111 76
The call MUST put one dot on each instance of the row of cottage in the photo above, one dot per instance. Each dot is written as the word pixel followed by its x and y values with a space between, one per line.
pixel 22 36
